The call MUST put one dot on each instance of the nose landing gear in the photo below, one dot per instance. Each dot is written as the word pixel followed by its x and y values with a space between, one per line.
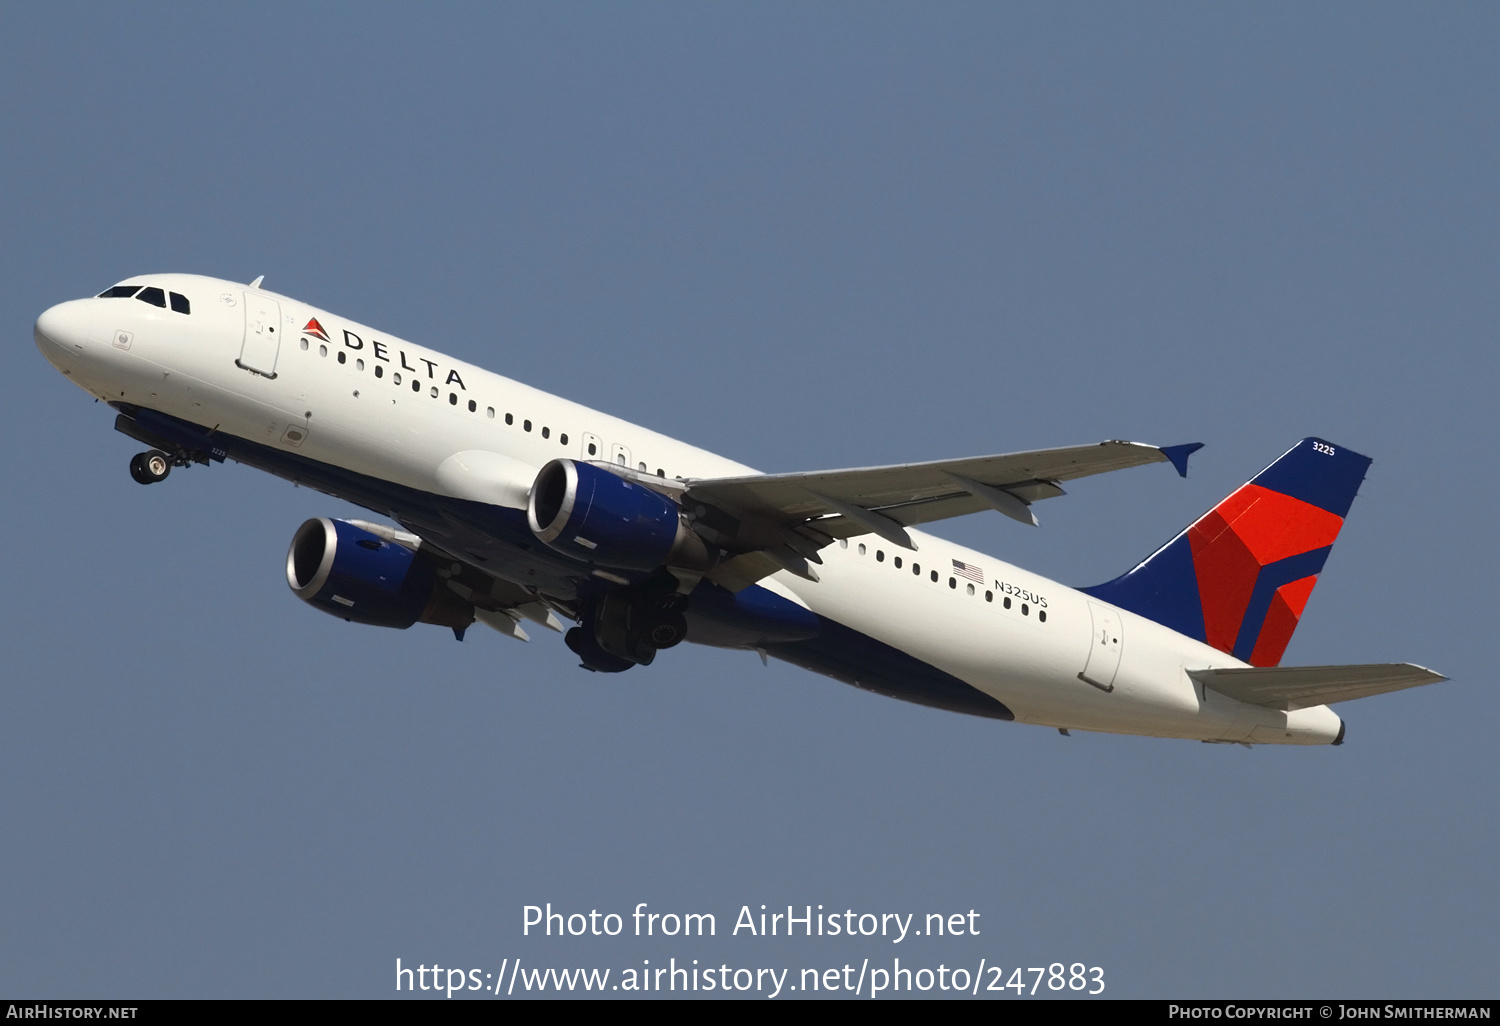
pixel 150 467
pixel 154 465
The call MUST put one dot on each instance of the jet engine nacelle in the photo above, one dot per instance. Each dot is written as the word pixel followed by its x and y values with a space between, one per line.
pixel 356 575
pixel 599 517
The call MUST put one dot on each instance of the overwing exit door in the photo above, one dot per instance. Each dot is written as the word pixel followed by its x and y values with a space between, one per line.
pixel 262 338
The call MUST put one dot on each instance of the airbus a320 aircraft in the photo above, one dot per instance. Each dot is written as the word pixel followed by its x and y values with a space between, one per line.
pixel 517 507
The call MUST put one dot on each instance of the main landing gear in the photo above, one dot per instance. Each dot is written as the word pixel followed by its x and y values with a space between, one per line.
pixel 154 465
pixel 626 628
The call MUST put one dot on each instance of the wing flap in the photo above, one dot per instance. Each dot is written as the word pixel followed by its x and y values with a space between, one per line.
pixel 1301 687
pixel 739 572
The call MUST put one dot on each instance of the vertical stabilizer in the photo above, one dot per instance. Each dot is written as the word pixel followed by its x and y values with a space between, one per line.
pixel 1239 577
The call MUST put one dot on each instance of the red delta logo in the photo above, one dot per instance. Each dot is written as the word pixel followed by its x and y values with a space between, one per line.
pixel 1257 556
pixel 315 329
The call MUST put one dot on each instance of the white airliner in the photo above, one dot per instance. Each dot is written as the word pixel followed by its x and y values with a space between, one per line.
pixel 518 506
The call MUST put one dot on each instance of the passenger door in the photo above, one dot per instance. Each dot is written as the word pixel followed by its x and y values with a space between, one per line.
pixel 1106 644
pixel 262 338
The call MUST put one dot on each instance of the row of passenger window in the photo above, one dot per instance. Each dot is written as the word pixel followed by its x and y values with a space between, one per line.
pixel 148 294
pixel 934 577
pixel 489 411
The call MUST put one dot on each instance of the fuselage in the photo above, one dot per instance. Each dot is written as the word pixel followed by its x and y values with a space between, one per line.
pixel 400 428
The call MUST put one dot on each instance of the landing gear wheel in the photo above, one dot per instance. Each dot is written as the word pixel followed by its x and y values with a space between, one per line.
pixel 667 630
pixel 581 640
pixel 150 467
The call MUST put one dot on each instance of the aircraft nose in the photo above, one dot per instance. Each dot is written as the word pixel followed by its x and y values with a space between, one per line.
pixel 64 326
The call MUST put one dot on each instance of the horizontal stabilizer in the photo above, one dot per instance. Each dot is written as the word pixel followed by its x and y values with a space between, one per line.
pixel 1301 687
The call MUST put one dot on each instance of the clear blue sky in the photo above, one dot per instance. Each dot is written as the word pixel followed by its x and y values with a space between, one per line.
pixel 804 236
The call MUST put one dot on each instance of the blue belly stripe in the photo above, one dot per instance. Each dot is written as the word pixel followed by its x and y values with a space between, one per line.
pixel 499 538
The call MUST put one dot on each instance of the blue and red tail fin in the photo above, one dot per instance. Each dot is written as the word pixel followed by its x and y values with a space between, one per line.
pixel 1240 576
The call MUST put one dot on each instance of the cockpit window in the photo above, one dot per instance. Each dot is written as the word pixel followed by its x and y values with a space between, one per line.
pixel 180 303
pixel 119 292
pixel 153 295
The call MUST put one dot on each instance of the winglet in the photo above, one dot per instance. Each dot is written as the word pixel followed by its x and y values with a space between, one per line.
pixel 1179 454
pixel 258 279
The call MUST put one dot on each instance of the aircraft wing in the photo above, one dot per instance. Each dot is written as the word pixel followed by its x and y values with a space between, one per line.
pixel 779 521
pixel 498 603
pixel 1301 687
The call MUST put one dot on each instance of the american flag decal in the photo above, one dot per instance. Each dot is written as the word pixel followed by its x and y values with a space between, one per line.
pixel 968 570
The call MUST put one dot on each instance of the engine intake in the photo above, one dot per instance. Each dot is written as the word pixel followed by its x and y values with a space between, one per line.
pixel 587 512
pixel 355 575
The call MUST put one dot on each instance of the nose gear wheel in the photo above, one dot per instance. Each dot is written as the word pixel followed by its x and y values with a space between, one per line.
pixel 150 467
